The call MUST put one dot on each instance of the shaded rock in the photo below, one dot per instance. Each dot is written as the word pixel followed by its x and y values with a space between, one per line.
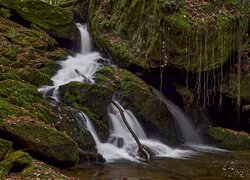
pixel 5 148
pixel 54 20
pixel 92 99
pixel 70 121
pixel 16 160
pixel 41 170
pixel 229 139
pixel 136 96
pixel 43 140
pixel 91 157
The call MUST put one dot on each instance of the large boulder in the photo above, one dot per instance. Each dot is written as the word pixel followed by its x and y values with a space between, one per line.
pixel 197 36
pixel 229 139
pixel 41 139
pixel 92 99
pixel 56 21
pixel 135 95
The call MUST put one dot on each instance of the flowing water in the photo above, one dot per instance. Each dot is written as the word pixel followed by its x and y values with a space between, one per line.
pixel 185 127
pixel 121 149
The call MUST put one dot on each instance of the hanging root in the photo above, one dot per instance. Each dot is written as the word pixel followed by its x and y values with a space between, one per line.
pixel 142 150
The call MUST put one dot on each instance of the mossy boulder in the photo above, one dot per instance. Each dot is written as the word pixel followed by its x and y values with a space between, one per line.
pixel 135 95
pixel 70 121
pixel 42 139
pixel 54 20
pixel 92 99
pixel 25 98
pixel 229 139
pixel 143 33
pixel 5 147
pixel 17 159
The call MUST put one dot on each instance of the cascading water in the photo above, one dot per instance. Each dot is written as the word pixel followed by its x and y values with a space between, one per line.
pixel 121 144
pixel 80 67
pixel 186 129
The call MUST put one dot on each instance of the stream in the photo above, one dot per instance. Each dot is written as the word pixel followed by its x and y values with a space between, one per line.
pixel 194 160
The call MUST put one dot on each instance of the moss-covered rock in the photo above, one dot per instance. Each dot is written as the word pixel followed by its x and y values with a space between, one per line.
pixel 5 147
pixel 92 99
pixel 40 170
pixel 135 95
pixel 229 139
pixel 142 32
pixel 17 159
pixel 71 121
pixel 25 98
pixel 42 139
pixel 56 21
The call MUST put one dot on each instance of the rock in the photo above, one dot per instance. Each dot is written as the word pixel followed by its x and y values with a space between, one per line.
pixel 92 99
pixel 175 34
pixel 40 170
pixel 17 160
pixel 91 157
pixel 43 140
pixel 70 121
pixel 24 98
pixel 135 95
pixel 56 21
pixel 229 139
pixel 5 148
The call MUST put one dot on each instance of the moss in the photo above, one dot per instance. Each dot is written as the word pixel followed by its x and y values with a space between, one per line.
pixel 33 76
pixel 5 13
pixel 5 148
pixel 91 96
pixel 4 61
pixel 42 171
pixel 167 31
pixel 229 139
pixel 5 76
pixel 26 97
pixel 44 140
pixel 3 172
pixel 16 159
pixel 54 20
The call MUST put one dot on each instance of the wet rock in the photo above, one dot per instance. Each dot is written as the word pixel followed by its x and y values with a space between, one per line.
pixel 70 121
pixel 229 139
pixel 136 96
pixel 43 140
pixel 91 157
pixel 54 20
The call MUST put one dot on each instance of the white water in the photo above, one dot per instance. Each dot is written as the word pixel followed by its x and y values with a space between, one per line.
pixel 121 144
pixel 184 124
pixel 81 67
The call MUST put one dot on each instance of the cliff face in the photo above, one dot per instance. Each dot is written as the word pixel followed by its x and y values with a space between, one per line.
pixel 196 36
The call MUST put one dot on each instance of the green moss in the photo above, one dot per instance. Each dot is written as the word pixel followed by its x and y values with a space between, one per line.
pixel 229 139
pixel 26 97
pixel 43 140
pixel 3 172
pixel 5 13
pixel 54 20
pixel 16 159
pixel 5 148
pixel 33 76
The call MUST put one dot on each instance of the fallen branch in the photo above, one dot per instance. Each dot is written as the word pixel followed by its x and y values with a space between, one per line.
pixel 142 150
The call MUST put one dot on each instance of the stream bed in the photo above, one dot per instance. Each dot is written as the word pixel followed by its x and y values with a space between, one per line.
pixel 202 165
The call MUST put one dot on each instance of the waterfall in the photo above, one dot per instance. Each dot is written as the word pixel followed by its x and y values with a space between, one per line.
pixel 121 144
pixel 185 127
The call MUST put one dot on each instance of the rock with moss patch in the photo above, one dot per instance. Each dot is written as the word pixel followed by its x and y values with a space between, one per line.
pixel 135 95
pixel 5 147
pixel 229 139
pixel 42 139
pixel 56 21
pixel 140 32
pixel 17 160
